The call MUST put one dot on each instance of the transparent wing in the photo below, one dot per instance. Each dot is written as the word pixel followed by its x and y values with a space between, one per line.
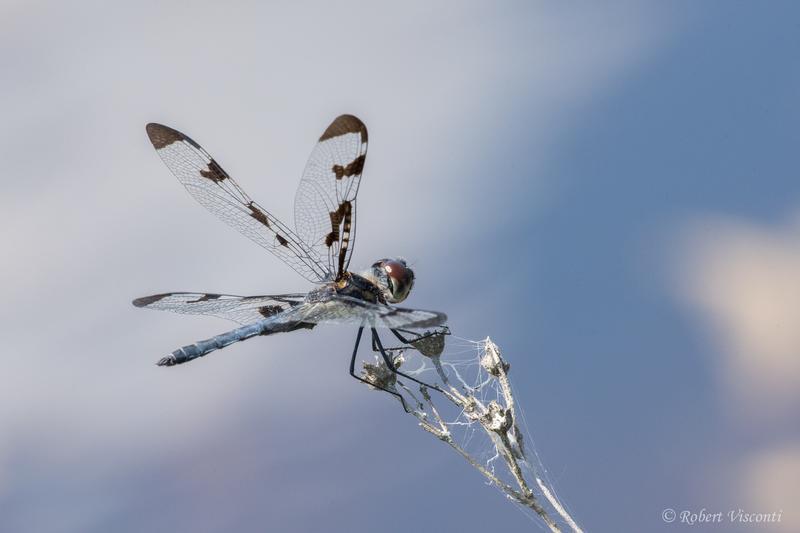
pixel 241 309
pixel 219 193
pixel 325 204
pixel 352 311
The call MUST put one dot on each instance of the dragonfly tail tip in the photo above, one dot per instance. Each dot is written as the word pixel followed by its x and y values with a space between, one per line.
pixel 167 361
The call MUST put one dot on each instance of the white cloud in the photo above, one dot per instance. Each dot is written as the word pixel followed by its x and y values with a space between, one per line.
pixel 744 280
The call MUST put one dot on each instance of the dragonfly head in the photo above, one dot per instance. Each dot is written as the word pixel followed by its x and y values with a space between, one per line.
pixel 395 279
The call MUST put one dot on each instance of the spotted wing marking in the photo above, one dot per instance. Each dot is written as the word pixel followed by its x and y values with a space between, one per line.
pixel 269 310
pixel 325 205
pixel 206 298
pixel 241 309
pixel 347 219
pixel 214 172
pixel 352 169
pixel 258 214
pixel 213 188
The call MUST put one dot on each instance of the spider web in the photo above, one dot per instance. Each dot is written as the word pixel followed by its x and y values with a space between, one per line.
pixel 467 367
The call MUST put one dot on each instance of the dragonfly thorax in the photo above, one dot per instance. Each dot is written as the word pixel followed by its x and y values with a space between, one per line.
pixel 352 285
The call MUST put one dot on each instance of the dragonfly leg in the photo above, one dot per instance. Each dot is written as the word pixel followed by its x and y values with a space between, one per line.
pixel 359 378
pixel 442 330
pixel 376 342
pixel 403 339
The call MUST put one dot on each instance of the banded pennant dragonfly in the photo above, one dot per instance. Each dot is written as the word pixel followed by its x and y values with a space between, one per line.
pixel 319 249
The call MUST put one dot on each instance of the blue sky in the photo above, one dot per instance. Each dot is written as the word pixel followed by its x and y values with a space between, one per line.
pixel 608 192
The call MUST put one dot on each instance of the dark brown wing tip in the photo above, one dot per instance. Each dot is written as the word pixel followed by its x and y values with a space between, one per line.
pixel 440 319
pixel 345 124
pixel 432 322
pixel 162 136
pixel 144 301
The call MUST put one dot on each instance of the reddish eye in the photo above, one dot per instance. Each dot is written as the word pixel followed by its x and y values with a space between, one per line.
pixel 402 279
pixel 396 270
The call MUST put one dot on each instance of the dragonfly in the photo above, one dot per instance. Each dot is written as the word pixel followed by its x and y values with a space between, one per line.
pixel 319 249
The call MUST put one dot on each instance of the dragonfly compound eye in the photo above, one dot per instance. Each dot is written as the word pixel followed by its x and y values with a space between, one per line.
pixel 400 279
